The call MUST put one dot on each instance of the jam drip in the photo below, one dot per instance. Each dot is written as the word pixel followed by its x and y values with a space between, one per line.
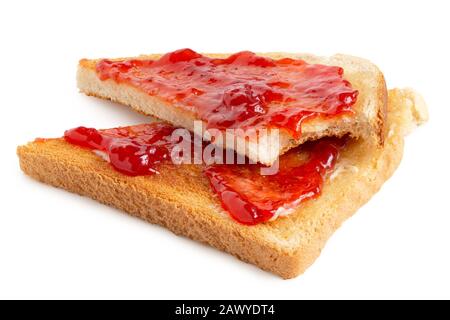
pixel 252 198
pixel 249 197
pixel 242 91
pixel 134 151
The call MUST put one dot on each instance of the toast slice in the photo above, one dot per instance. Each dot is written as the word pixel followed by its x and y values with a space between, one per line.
pixel 181 199
pixel 368 120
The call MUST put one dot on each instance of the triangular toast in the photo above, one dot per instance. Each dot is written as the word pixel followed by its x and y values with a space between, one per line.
pixel 368 119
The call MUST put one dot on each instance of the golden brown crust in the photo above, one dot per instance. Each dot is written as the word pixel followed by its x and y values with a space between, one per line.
pixel 381 118
pixel 286 246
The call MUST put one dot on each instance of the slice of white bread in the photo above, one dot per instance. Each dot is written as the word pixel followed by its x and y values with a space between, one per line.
pixel 181 199
pixel 369 118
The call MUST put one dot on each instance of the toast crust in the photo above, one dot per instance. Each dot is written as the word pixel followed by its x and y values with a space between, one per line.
pixel 368 121
pixel 286 246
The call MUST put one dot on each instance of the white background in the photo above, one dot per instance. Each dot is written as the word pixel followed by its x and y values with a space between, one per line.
pixel 54 244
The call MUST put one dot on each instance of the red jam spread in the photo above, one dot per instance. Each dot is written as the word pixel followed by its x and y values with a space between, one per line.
pixel 134 151
pixel 242 91
pixel 252 198
pixel 249 197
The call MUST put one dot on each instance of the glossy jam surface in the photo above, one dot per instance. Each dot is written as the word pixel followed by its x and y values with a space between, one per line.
pixel 249 197
pixel 252 198
pixel 242 91
pixel 134 151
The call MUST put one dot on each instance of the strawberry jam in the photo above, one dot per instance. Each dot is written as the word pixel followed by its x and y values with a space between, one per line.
pixel 249 197
pixel 242 91
pixel 134 151
pixel 252 198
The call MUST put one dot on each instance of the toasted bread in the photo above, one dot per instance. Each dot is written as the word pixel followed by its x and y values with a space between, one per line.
pixel 368 121
pixel 181 199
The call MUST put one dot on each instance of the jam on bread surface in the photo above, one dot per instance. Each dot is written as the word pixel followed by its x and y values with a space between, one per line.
pixel 242 91
pixel 249 197
pixel 134 150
